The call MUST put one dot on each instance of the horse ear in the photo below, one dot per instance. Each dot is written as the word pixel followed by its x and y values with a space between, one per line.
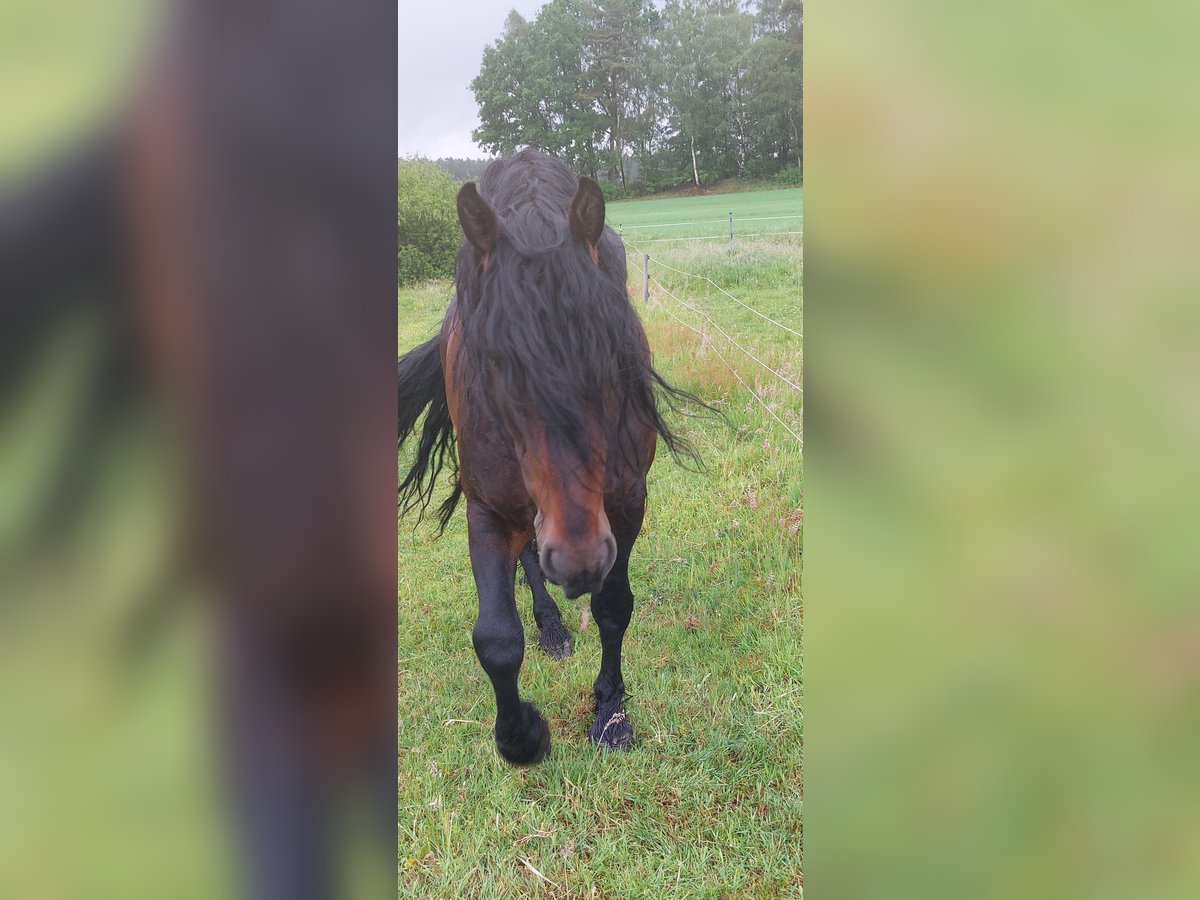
pixel 585 217
pixel 477 219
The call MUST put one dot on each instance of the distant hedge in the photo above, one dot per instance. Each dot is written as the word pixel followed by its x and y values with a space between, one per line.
pixel 789 175
pixel 427 222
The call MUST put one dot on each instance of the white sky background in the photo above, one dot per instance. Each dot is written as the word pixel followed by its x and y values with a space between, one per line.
pixel 440 48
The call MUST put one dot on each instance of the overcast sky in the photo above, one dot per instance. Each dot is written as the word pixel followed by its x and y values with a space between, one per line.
pixel 441 46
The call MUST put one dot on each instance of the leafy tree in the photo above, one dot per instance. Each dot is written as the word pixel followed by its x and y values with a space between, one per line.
pixel 508 108
pixel 702 90
pixel 776 79
pixel 706 45
pixel 427 221
pixel 532 89
pixel 616 47
pixel 564 29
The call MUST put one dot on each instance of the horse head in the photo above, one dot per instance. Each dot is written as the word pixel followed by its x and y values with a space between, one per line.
pixel 561 443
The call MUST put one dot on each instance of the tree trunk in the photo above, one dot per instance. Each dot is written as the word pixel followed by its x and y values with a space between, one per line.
pixel 695 171
pixel 591 155
pixel 796 137
pixel 618 131
pixel 742 142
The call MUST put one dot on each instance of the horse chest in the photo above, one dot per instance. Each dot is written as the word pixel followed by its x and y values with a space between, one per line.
pixel 490 473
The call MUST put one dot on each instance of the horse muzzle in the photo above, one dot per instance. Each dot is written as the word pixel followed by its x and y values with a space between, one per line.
pixel 578 570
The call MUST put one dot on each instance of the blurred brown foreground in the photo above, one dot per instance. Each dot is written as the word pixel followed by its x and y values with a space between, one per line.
pixel 197 450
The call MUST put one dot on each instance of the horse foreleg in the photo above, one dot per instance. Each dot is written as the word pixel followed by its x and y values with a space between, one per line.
pixel 554 637
pixel 612 608
pixel 522 736
pixel 281 798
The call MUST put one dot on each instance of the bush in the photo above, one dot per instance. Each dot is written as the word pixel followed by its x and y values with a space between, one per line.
pixel 427 222
pixel 612 190
pixel 666 181
pixel 789 175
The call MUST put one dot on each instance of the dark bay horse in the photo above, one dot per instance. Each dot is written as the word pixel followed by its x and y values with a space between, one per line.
pixel 540 391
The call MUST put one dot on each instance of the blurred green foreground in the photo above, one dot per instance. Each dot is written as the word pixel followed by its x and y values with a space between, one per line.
pixel 1003 636
pixel 107 778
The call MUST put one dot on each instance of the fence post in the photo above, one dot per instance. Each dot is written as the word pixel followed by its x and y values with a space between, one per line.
pixel 645 277
pixel 731 226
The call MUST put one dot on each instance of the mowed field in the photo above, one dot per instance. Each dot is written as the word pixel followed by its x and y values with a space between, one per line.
pixel 708 803
pixel 754 213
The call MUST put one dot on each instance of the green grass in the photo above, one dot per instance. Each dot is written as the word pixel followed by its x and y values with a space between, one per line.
pixel 139 808
pixel 708 804
pixel 642 220
pixel 724 186
pixel 64 67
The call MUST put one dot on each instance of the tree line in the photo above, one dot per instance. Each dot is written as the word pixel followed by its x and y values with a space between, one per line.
pixel 462 169
pixel 685 91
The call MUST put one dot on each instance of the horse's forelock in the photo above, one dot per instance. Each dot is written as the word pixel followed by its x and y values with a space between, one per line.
pixel 547 330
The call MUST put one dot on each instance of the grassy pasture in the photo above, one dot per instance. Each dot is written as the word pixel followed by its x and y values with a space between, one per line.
pixel 708 803
pixel 754 213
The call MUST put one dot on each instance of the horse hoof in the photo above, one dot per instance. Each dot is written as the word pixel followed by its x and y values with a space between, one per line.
pixel 613 732
pixel 532 742
pixel 556 640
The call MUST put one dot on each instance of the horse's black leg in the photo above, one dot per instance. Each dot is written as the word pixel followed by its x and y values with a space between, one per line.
pixel 282 802
pixel 554 637
pixel 522 736
pixel 612 608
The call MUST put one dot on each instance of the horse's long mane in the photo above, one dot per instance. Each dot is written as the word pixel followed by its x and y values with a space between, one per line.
pixel 543 328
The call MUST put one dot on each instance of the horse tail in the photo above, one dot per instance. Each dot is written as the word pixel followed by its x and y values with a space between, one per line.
pixel 64 260
pixel 423 389
pixel 62 252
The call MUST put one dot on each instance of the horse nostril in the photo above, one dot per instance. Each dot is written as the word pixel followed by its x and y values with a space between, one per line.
pixel 547 562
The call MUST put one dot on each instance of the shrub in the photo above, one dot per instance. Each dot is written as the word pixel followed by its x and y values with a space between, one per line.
pixel 789 175
pixel 666 182
pixel 426 220
pixel 612 190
